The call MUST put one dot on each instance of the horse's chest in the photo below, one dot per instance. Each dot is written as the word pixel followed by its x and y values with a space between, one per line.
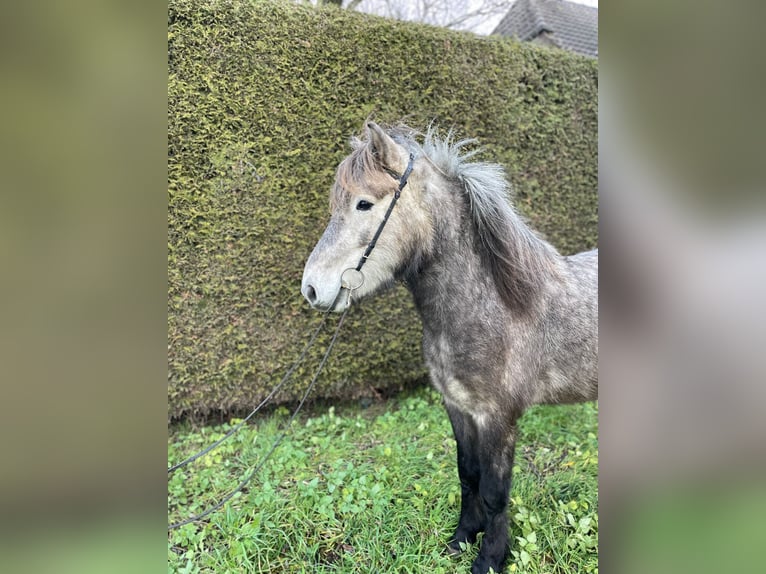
pixel 440 358
pixel 454 375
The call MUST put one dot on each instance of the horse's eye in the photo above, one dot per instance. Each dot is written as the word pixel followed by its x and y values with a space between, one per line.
pixel 363 205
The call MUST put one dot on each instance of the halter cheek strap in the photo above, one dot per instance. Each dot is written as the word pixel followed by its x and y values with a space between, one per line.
pixel 402 182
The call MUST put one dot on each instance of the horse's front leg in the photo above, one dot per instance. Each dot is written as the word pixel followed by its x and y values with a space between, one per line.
pixel 496 448
pixel 468 467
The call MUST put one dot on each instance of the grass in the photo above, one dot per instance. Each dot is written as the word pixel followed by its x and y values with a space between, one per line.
pixel 376 490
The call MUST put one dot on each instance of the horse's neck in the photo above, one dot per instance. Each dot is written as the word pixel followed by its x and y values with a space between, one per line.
pixel 451 285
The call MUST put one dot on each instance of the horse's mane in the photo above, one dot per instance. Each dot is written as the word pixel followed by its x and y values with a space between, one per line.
pixel 519 260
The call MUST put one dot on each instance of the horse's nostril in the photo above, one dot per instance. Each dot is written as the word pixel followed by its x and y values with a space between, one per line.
pixel 311 294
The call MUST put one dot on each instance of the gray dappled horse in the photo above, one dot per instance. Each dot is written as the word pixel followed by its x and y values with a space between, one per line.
pixel 508 322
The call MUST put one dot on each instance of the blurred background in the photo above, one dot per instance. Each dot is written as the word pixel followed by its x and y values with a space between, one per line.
pixel 683 272
pixel 83 312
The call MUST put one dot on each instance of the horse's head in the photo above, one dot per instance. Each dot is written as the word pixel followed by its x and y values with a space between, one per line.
pixel 365 184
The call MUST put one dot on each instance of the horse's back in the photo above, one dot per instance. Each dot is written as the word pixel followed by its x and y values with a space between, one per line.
pixel 571 373
pixel 585 267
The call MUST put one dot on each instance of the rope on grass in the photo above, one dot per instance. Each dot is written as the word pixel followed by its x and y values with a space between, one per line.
pixel 258 467
pixel 273 392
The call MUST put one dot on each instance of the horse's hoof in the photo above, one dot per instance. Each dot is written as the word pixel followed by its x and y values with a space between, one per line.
pixel 459 542
pixel 482 566
pixel 453 548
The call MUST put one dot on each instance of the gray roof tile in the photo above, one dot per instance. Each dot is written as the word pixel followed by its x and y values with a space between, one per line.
pixel 569 25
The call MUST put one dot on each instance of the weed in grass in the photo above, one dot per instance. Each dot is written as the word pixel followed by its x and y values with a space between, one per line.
pixel 354 491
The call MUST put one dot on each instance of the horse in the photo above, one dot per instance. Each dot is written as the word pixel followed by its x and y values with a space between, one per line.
pixel 508 322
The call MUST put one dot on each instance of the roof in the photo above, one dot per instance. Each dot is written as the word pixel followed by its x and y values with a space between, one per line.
pixel 568 25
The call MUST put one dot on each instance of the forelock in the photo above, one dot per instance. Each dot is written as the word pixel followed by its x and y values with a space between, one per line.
pixel 360 173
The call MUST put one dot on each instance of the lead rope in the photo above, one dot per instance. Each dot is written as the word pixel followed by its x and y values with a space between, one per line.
pixel 273 392
pixel 345 284
pixel 276 443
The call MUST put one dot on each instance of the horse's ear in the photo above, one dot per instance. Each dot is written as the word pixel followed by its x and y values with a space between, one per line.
pixel 385 149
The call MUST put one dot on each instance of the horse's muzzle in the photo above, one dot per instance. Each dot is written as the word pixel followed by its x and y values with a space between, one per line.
pixel 337 302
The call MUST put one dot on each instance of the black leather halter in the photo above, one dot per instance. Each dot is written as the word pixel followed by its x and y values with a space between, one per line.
pixel 402 182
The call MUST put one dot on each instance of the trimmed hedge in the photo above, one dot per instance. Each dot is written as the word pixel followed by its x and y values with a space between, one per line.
pixel 262 97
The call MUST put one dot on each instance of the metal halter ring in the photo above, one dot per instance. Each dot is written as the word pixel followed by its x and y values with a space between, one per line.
pixel 351 279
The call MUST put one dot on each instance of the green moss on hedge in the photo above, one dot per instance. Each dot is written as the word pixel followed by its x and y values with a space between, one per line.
pixel 262 97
